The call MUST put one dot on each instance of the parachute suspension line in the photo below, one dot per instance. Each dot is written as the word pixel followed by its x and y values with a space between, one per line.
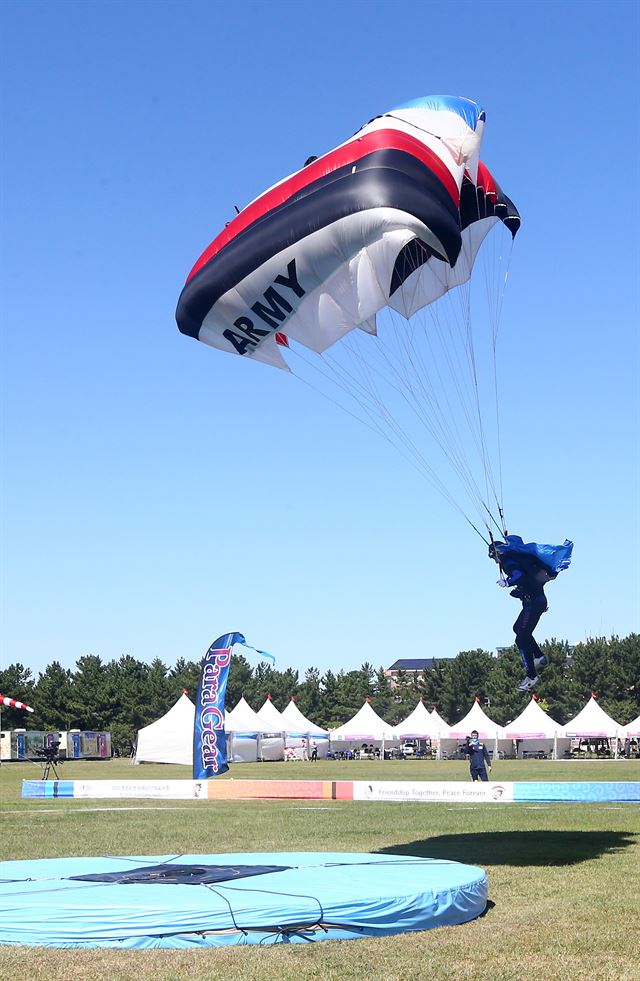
pixel 490 481
pixel 402 385
pixel 404 364
pixel 471 355
pixel 497 317
pixel 457 371
pixel 370 422
pixel 495 279
pixel 449 434
pixel 401 437
pixel 386 362
pixel 493 304
pixel 452 434
pixel 424 375
pixel 493 554
pixel 406 448
pixel 495 299
pixel 472 412
pixel 435 421
pixel 296 351
pixel 454 385
pixel 433 369
pixel 486 541
pixel 499 525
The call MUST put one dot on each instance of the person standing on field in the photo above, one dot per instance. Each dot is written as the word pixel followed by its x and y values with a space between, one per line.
pixel 478 756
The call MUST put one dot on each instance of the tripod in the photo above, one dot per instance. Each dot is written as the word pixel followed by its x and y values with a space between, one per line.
pixel 48 765
pixel 48 759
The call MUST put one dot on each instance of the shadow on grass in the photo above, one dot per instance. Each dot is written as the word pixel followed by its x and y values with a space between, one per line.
pixel 517 847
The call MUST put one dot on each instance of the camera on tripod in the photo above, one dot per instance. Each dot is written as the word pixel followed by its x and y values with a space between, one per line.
pixel 49 757
pixel 50 753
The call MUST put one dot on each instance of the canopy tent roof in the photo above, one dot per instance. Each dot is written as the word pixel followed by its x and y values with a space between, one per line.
pixel 299 722
pixel 243 719
pixel 476 718
pixel 633 729
pixel 365 724
pixel 269 714
pixel 170 738
pixel 592 722
pixel 420 724
pixel 533 723
pixel 441 725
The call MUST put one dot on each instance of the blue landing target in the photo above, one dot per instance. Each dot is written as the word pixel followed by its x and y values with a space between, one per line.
pixel 189 901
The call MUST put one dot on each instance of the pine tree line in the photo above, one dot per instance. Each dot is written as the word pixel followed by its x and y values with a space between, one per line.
pixel 123 695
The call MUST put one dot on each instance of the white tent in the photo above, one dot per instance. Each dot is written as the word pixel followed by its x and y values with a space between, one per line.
pixel 420 724
pixel 476 718
pixel 295 747
pixel 535 731
pixel 633 729
pixel 242 718
pixel 169 739
pixel 365 726
pixel 442 728
pixel 299 732
pixel 592 722
pixel 299 722
pixel 242 736
pixel 244 725
pixel 271 717
pixel 488 730
pixel 441 725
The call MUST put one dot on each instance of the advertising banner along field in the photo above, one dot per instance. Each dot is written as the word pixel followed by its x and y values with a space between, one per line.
pixel 421 791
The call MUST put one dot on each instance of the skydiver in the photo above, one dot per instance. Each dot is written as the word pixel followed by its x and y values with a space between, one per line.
pixel 528 575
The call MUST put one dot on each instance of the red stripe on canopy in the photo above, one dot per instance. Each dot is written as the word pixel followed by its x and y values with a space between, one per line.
pixel 381 139
pixel 486 181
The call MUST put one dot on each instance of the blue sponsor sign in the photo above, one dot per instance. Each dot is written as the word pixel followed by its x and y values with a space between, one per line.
pixel 48 788
pixel 583 791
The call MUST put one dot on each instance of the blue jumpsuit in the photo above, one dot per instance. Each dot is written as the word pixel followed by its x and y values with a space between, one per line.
pixel 529 577
pixel 478 755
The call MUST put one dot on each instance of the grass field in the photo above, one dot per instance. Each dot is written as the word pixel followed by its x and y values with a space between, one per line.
pixel 564 878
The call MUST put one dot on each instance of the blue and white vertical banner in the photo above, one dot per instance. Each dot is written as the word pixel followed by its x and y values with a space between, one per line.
pixel 209 737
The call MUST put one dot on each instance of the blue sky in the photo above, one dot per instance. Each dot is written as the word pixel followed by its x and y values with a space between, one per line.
pixel 157 493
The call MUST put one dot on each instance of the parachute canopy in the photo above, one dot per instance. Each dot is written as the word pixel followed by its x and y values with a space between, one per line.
pixel 554 557
pixel 392 217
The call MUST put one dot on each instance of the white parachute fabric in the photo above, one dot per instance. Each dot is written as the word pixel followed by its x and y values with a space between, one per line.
pixel 355 273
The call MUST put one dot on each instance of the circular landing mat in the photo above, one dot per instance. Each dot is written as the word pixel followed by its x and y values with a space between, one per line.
pixel 189 901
